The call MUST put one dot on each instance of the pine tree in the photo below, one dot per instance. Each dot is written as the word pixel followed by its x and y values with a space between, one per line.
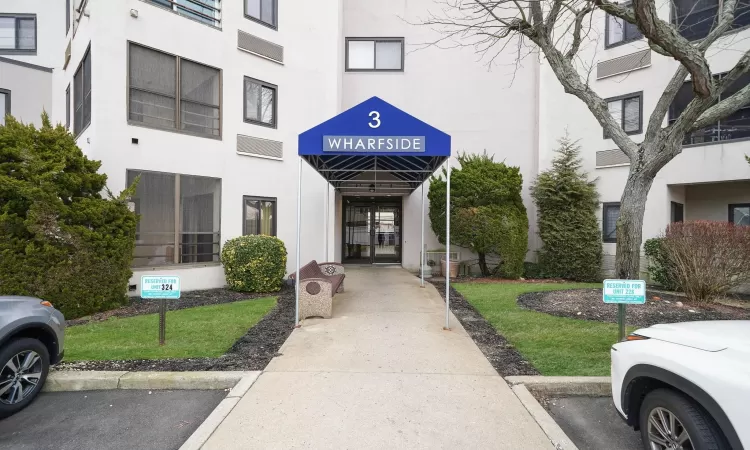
pixel 566 202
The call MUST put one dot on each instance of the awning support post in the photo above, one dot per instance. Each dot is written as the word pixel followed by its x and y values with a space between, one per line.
pixel 421 245
pixel 325 223
pixel 447 245
pixel 299 218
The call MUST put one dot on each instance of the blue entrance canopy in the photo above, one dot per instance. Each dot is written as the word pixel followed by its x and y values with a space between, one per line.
pixel 375 137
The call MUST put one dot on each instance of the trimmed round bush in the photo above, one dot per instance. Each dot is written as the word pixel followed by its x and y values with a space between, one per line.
pixel 254 263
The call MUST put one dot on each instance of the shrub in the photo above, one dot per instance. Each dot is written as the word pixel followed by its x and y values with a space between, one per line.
pixel 60 240
pixel 487 213
pixel 254 263
pixel 710 258
pixel 660 268
pixel 566 202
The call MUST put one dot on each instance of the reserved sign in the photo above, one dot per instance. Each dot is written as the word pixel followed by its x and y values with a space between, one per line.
pixel 414 144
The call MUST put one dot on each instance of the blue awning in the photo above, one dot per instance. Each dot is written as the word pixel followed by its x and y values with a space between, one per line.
pixel 375 147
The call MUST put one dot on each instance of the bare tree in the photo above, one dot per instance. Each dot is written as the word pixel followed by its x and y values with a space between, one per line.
pixel 557 28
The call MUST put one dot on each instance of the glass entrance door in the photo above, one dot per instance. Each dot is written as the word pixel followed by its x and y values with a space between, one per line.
pixel 372 231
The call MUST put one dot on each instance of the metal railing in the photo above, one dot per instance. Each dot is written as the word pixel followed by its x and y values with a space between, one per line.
pixel 204 11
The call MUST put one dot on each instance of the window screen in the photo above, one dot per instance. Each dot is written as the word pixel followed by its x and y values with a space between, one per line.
pixel 199 98
pixel 610 214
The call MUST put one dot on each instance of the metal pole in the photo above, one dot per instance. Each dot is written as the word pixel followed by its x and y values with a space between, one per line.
pixel 325 224
pixel 421 245
pixel 299 218
pixel 621 321
pixel 448 246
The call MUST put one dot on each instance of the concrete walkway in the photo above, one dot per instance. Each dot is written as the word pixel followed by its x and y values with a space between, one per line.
pixel 381 374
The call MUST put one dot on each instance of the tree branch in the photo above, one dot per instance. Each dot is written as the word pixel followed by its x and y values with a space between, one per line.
pixel 575 46
pixel 723 109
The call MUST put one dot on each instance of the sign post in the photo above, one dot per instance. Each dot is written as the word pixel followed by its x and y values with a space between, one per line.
pixel 162 287
pixel 622 293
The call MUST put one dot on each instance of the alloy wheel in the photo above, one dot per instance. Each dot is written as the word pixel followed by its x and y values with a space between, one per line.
pixel 20 376
pixel 666 432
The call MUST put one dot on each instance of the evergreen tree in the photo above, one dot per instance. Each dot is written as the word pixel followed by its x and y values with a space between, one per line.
pixel 567 202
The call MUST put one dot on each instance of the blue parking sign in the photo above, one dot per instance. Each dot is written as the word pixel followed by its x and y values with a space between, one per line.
pixel 160 286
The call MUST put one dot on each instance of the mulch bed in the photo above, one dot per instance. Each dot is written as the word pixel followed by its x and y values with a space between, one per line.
pixel 503 356
pixel 253 351
pixel 660 307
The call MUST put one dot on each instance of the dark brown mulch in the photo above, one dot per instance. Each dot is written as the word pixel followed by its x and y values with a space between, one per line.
pixel 500 353
pixel 190 299
pixel 587 304
pixel 253 351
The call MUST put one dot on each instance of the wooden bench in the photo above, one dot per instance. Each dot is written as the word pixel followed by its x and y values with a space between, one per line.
pixel 318 283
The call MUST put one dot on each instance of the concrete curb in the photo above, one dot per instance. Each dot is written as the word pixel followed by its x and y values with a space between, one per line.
pixel 60 381
pixel 217 416
pixel 559 439
pixel 564 386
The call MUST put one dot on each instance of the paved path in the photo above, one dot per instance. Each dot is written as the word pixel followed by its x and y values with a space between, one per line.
pixel 381 374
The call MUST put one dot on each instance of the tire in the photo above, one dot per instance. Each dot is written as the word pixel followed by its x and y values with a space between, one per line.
pixel 701 429
pixel 10 401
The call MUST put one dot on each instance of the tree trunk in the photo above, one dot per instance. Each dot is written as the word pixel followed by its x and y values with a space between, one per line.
pixel 483 264
pixel 630 226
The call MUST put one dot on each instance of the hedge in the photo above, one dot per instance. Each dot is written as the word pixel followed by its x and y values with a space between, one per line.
pixel 254 263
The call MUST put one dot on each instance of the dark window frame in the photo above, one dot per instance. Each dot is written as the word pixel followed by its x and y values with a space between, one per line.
pixel 674 20
pixel 67 107
pixel 732 206
pixel 274 223
pixel 375 41
pixel 67 17
pixel 673 212
pixel 622 99
pixel 275 88
pixel 7 94
pixel 178 254
pixel 178 112
pixel 605 223
pixel 625 38
pixel 273 26
pixel 22 51
pixel 86 59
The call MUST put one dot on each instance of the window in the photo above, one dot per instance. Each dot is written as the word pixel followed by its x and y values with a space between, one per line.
pixel 610 214
pixel 262 11
pixel 695 18
pixel 82 94
pixel 385 54
pixel 67 107
pixel 735 126
pixel 204 11
pixel 259 216
pixel 260 102
pixel 4 104
pixel 179 218
pixel 18 33
pixel 678 212
pixel 627 110
pixel 739 214
pixel 618 31
pixel 170 92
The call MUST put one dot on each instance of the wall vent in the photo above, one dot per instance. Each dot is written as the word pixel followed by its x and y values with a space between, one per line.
pixel 614 157
pixel 260 47
pixel 262 148
pixel 623 64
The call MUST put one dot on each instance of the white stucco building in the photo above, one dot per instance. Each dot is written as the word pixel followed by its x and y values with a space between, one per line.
pixel 204 99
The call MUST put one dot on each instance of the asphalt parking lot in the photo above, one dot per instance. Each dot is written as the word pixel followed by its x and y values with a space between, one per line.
pixel 593 423
pixel 108 420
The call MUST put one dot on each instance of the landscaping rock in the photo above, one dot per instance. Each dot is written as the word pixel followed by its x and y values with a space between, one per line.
pixel 587 304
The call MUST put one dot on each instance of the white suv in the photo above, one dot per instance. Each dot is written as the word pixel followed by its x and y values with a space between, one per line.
pixel 686 385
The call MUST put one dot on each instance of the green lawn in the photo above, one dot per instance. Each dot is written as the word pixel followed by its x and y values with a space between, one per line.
pixel 195 332
pixel 554 345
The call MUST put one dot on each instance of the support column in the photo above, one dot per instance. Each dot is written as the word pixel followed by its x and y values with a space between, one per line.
pixel 421 245
pixel 299 218
pixel 448 246
pixel 325 223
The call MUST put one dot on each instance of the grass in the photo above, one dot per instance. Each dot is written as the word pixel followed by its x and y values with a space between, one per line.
pixel 554 345
pixel 204 331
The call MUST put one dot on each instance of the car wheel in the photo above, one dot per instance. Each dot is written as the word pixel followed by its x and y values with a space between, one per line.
pixel 671 421
pixel 24 364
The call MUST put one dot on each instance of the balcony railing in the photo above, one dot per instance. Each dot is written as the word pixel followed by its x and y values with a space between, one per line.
pixel 204 11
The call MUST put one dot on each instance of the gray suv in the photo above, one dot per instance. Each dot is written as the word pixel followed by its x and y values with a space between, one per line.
pixel 31 339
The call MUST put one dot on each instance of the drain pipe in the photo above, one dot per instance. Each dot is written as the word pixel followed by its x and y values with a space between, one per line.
pixel 421 245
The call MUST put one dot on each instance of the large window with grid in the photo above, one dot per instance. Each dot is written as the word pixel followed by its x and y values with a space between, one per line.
pixel 610 214
pixel 17 33
pixel 173 93
pixel 736 126
pixel 82 94
pixel 180 218
pixel 695 18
